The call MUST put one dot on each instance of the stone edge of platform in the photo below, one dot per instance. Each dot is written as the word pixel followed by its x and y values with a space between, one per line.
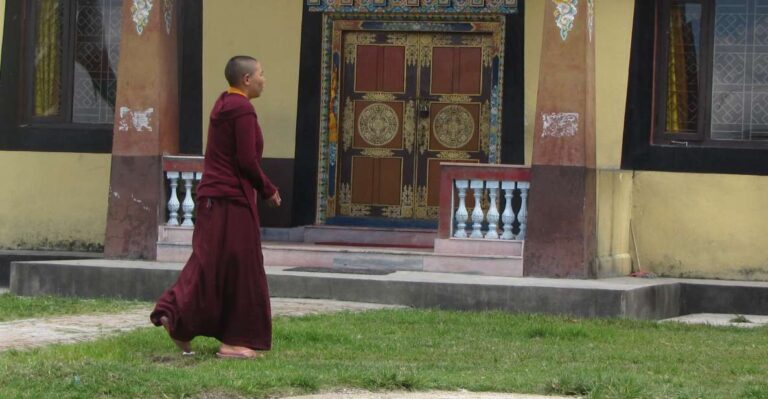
pixel 650 300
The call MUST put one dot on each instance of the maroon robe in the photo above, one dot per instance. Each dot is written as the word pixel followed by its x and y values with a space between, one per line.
pixel 222 291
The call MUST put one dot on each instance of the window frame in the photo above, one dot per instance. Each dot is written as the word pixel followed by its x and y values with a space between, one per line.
pixel 702 137
pixel 645 144
pixel 18 134
pixel 19 129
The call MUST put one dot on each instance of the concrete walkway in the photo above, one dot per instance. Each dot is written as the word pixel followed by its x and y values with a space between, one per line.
pixel 30 333
pixel 354 394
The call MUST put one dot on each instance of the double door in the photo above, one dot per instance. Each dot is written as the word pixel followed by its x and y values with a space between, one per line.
pixel 408 102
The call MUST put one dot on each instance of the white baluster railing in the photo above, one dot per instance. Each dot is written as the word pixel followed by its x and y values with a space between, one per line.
pixel 477 213
pixel 461 213
pixel 493 210
pixel 522 216
pixel 173 203
pixel 188 170
pixel 498 183
pixel 508 217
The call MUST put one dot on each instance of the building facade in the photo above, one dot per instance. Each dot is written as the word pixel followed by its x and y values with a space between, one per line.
pixel 670 159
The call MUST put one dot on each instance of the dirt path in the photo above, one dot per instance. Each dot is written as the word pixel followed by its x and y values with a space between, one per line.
pixel 30 333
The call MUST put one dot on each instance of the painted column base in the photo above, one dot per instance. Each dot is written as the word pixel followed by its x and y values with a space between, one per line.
pixel 561 237
pixel 135 206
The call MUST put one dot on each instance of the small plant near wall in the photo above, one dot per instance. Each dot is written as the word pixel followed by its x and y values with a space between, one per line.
pixel 739 318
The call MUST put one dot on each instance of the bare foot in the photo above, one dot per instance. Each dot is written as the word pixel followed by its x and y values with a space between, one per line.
pixel 185 346
pixel 237 352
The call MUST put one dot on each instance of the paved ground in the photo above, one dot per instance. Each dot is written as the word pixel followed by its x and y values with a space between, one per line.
pixel 719 319
pixel 353 394
pixel 28 333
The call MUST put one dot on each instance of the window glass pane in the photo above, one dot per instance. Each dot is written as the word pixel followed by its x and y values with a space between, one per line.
pixel 740 70
pixel 684 48
pixel 97 45
pixel 47 76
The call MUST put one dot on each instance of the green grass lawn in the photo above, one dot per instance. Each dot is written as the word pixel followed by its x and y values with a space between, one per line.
pixel 412 350
pixel 14 307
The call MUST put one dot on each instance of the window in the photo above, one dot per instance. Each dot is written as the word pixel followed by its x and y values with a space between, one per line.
pixel 73 60
pixel 712 73
pixel 697 95
pixel 59 75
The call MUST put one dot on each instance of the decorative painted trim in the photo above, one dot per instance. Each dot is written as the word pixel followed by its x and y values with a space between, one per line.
pixel 413 6
pixel 139 120
pixel 330 103
pixel 168 15
pixel 140 14
pixel 565 14
pixel 560 124
pixel 591 18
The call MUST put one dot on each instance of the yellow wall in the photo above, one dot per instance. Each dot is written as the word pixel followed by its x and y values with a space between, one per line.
pixel 534 17
pixel 701 225
pixel 613 35
pixel 614 206
pixel 270 31
pixel 53 200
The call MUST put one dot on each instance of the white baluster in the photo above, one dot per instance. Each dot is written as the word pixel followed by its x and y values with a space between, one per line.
pixel 461 214
pixel 188 205
pixel 173 203
pixel 477 212
pixel 493 210
pixel 508 217
pixel 522 216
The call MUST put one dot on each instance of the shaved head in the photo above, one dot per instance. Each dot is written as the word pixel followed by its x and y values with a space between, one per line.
pixel 237 67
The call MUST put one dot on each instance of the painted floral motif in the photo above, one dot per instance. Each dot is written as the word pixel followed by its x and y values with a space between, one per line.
pixel 139 120
pixel 565 14
pixel 560 124
pixel 168 15
pixel 140 11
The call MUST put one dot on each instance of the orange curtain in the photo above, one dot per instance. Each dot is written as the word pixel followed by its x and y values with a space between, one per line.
pixel 677 93
pixel 48 58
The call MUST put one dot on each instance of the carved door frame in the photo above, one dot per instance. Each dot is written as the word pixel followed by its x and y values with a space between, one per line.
pixel 330 132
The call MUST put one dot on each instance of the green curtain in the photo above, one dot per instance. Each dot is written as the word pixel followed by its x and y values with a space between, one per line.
pixel 47 95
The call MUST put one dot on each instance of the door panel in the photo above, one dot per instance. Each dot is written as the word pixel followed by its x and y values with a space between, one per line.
pixel 456 70
pixel 380 69
pixel 409 102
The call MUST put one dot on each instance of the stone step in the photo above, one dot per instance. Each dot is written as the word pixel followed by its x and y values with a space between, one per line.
pixel 627 297
pixel 371 258
pixel 370 236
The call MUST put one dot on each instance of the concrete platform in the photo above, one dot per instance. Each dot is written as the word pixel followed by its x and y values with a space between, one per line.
pixel 617 297
pixel 8 256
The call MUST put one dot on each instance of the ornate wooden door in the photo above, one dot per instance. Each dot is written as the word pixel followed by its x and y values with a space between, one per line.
pixel 409 101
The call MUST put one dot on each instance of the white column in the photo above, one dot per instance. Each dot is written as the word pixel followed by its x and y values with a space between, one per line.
pixel 508 217
pixel 477 212
pixel 493 210
pixel 173 202
pixel 188 205
pixel 523 215
pixel 461 214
